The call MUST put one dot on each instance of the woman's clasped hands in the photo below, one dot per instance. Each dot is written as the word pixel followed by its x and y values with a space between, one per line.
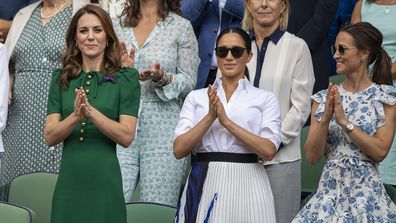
pixel 82 108
pixel 333 106
pixel 216 108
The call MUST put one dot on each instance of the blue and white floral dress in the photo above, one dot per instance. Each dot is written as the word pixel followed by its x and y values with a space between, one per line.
pixel 350 189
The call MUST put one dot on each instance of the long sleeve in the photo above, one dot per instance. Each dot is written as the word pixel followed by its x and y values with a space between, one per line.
pixel 235 8
pixel 301 89
pixel 194 10
pixel 186 67
pixel 3 91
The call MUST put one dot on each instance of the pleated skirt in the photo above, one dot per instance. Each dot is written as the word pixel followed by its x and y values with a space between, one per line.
pixel 226 192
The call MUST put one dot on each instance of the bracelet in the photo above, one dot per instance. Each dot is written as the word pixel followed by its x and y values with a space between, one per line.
pixel 161 82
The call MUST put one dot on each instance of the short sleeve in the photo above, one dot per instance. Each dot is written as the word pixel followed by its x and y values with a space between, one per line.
pixel 54 104
pixel 386 95
pixel 129 87
pixel 186 118
pixel 320 98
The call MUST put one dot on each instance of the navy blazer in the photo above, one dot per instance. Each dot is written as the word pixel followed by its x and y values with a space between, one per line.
pixel 205 19
pixel 311 21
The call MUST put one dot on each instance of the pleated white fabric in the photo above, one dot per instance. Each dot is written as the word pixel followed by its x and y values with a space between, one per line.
pixel 238 192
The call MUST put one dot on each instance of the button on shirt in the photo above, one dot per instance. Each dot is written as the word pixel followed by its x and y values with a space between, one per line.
pixel 251 108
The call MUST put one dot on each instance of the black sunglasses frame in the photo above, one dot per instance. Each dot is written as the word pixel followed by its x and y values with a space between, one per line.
pixel 236 51
pixel 341 49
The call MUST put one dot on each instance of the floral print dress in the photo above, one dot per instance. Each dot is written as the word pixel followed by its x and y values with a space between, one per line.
pixel 350 188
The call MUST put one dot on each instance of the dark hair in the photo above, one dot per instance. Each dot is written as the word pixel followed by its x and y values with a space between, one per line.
pixel 245 37
pixel 367 37
pixel 72 59
pixel 132 11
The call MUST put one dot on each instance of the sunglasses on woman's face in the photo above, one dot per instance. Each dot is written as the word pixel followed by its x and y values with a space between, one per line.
pixel 341 49
pixel 236 51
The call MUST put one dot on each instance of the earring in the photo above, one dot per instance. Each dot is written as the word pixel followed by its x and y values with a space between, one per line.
pixel 363 59
pixel 107 43
pixel 76 45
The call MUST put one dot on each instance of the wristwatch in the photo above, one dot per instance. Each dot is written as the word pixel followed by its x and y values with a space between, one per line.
pixel 349 127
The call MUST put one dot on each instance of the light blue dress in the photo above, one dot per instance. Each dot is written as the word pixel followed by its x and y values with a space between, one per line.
pixel 173 45
pixel 350 189
pixel 383 17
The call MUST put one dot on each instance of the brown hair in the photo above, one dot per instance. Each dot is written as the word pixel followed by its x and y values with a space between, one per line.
pixel 367 37
pixel 72 59
pixel 132 11
pixel 247 22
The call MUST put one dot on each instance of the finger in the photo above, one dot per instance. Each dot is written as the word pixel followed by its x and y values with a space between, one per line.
pixel 132 53
pixel 123 47
pixel 157 66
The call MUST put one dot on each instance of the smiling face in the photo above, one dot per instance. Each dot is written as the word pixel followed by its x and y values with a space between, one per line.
pixel 90 36
pixel 350 61
pixel 266 13
pixel 230 66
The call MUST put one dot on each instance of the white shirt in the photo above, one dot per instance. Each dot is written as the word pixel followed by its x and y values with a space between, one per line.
pixel 253 109
pixel 287 71
pixel 3 91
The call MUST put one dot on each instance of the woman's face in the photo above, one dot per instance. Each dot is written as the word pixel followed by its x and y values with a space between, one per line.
pixel 232 65
pixel 348 58
pixel 91 37
pixel 266 13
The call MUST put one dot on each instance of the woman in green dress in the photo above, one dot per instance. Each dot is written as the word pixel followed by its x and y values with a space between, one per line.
pixel 92 105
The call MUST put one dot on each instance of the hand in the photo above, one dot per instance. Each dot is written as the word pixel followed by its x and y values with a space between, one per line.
pixel 339 109
pixel 221 114
pixel 77 104
pixel 154 73
pixel 127 60
pixel 212 94
pixel 4 28
pixel 329 105
pixel 86 107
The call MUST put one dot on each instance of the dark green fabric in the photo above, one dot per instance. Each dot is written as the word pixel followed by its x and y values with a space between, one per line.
pixel 89 187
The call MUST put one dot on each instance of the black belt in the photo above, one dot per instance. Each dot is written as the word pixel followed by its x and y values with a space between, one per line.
pixel 227 157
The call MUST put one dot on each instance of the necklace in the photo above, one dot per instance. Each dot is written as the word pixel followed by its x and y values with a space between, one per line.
pixel 54 13
pixel 387 8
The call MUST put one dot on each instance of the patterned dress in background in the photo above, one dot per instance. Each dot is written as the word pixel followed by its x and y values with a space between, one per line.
pixel 350 188
pixel 173 45
pixel 37 52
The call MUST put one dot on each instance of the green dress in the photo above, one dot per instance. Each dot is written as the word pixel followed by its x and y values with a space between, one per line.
pixel 89 187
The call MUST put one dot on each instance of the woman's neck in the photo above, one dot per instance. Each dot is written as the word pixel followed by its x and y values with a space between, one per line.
pixel 92 64
pixel 263 31
pixel 357 81
pixel 54 3
pixel 230 85
pixel 149 9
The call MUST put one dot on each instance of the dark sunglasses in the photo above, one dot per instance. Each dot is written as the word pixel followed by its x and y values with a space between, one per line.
pixel 341 49
pixel 236 51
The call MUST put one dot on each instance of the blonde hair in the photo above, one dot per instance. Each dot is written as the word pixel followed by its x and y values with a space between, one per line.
pixel 247 22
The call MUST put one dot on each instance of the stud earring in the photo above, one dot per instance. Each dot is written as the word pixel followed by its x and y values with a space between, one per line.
pixel 363 59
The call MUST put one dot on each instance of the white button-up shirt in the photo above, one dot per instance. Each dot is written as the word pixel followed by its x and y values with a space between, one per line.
pixel 3 91
pixel 253 109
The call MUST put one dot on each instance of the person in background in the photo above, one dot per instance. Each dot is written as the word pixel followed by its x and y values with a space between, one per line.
pixel 382 14
pixel 353 124
pixel 310 20
pixel 8 9
pixel 3 93
pixel 209 18
pixel 35 46
pixel 230 126
pixel 341 18
pixel 281 64
pixel 165 52
pixel 93 104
